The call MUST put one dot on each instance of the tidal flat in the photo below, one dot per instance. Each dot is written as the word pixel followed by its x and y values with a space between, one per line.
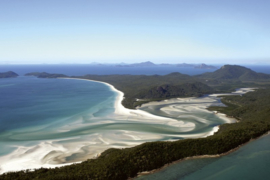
pixel 106 124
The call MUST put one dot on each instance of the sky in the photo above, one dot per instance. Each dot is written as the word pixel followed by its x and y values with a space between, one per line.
pixel 130 31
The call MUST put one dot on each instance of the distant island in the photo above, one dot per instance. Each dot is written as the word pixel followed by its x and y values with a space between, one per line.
pixel 142 64
pixel 45 75
pixel 9 74
pixel 151 64
pixel 204 66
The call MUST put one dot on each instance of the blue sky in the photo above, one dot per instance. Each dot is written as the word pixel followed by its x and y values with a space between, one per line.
pixel 171 31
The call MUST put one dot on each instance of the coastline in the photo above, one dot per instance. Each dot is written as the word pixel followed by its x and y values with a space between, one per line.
pixel 48 151
pixel 120 109
pixel 197 157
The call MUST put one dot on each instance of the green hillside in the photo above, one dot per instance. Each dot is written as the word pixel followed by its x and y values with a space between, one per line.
pixel 156 87
pixel 235 72
pixel 9 74
pixel 252 109
pixel 45 75
pixel 170 91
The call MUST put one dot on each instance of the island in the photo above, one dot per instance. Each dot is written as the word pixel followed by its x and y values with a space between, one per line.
pixel 204 66
pixel 142 64
pixel 45 75
pixel 183 65
pixel 9 74
pixel 252 110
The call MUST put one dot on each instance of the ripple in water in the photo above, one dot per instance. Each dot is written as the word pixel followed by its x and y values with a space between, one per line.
pixel 62 121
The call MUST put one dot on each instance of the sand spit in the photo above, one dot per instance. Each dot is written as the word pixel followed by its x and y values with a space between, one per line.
pixel 82 138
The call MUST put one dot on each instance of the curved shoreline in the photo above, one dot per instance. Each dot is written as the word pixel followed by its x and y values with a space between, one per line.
pixel 197 157
pixel 120 109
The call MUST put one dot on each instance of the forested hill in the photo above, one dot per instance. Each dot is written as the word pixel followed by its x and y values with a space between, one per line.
pixel 9 74
pixel 146 88
pixel 235 72
pixel 252 109
pixel 45 75
pixel 156 87
pixel 170 91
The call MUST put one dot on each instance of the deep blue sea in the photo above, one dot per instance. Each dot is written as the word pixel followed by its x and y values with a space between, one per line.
pixel 59 114
pixel 37 101
pixel 78 70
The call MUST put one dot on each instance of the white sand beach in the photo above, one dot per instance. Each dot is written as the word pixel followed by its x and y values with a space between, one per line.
pixel 167 120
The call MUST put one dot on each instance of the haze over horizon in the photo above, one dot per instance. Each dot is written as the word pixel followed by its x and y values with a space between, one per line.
pixel 197 31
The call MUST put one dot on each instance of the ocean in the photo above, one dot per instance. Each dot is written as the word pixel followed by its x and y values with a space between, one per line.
pixel 54 122
pixel 83 69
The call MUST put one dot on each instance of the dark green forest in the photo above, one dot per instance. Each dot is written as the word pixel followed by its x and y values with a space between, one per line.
pixel 157 87
pixel 45 75
pixel 252 110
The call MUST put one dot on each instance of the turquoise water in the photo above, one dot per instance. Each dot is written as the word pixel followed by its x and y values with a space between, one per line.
pixel 37 101
pixel 33 105
pixel 251 161
pixel 46 122
pixel 51 122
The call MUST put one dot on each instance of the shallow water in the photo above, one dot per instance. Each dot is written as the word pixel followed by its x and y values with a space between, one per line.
pixel 52 122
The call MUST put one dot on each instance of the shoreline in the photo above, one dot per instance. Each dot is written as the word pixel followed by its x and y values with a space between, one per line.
pixel 120 109
pixel 17 160
pixel 197 157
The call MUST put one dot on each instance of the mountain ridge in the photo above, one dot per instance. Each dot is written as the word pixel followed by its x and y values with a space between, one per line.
pixel 234 72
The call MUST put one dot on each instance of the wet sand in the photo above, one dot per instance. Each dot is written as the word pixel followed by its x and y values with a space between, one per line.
pixel 83 139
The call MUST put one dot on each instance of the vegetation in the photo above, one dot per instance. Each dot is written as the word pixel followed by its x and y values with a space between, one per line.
pixel 252 109
pixel 156 87
pixel 235 72
pixel 8 74
pixel 45 75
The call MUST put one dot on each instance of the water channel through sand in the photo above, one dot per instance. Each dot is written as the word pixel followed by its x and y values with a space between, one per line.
pixel 108 124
